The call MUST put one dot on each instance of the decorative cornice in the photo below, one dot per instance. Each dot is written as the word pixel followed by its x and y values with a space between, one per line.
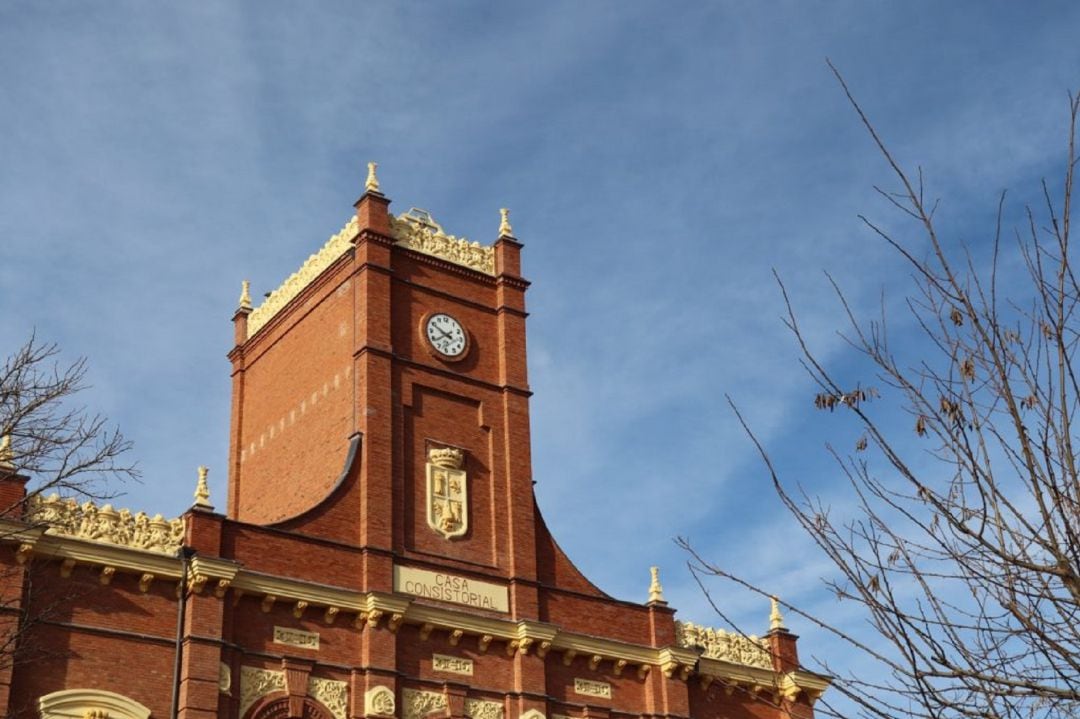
pixel 417 230
pixel 88 521
pixel 726 646
pixel 334 248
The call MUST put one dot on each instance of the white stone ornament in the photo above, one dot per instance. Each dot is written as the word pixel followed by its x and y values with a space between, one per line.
pixel 379 701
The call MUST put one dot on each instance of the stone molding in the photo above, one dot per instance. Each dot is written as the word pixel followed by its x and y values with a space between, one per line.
pixel 726 646
pixel 83 703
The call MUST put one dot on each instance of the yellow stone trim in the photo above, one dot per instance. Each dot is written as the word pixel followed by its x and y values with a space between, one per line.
pixel 80 703
pixel 417 230
pixel 334 248
pixel 104 524
pixel 370 607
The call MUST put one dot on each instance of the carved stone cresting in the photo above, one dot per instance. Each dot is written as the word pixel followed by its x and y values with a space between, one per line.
pixel 256 683
pixel 534 714
pixel 726 646
pixel 417 230
pixel 418 704
pixel 68 518
pixel 453 665
pixel 296 638
pixel 379 701
pixel 589 688
pixel 447 492
pixel 332 694
pixel 224 680
pixel 334 248
pixel 480 709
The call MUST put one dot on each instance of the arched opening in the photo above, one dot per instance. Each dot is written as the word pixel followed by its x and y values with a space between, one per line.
pixel 90 704
pixel 276 706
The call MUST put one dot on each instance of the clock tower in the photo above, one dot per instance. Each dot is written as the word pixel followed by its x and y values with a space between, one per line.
pixel 380 400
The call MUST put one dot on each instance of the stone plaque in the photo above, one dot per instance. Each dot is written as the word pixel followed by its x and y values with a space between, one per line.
pixel 590 688
pixel 296 638
pixel 454 665
pixel 451 588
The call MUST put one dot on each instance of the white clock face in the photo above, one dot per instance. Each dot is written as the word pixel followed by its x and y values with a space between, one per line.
pixel 446 335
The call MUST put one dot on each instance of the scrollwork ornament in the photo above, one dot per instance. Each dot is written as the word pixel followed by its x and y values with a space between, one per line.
pixel 379 701
pixel 419 704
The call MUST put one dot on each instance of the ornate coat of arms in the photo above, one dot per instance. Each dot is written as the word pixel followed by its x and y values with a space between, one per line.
pixel 447 492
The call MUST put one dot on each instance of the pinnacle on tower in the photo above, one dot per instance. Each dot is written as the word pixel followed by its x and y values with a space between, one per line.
pixel 202 490
pixel 372 183
pixel 245 295
pixel 6 455
pixel 776 619
pixel 505 230
pixel 656 592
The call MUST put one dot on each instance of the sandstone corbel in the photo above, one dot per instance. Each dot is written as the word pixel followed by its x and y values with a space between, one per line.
pixel 330 615
pixel 361 617
pixel 524 644
pixel 373 617
pixel 483 642
pixel 197 583
pixel 594 662
pixel 542 649
pixel 221 588
pixel 268 603
pixel 568 657
pixel 619 666
pixel 643 671
pixel 511 647
pixel 426 630
pixel 298 609
pixel 22 554
pixel 145 581
pixel 395 622
pixel 66 568
pixel 106 575
pixel 455 637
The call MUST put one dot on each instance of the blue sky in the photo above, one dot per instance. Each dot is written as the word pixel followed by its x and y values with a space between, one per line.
pixel 659 159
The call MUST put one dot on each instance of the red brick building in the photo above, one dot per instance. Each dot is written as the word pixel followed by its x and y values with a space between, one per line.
pixel 382 554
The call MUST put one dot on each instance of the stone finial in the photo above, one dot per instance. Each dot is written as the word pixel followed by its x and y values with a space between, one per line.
pixel 505 230
pixel 372 183
pixel 7 457
pixel 656 592
pixel 776 619
pixel 245 295
pixel 202 490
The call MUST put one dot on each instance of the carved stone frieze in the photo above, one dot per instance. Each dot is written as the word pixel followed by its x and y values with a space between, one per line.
pixel 379 701
pixel 256 683
pixel 417 230
pixel 418 704
pixel 334 248
pixel 453 665
pixel 481 709
pixel 66 517
pixel 590 688
pixel 726 646
pixel 332 694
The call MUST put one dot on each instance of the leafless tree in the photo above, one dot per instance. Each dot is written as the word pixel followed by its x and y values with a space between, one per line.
pixel 46 436
pixel 963 551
